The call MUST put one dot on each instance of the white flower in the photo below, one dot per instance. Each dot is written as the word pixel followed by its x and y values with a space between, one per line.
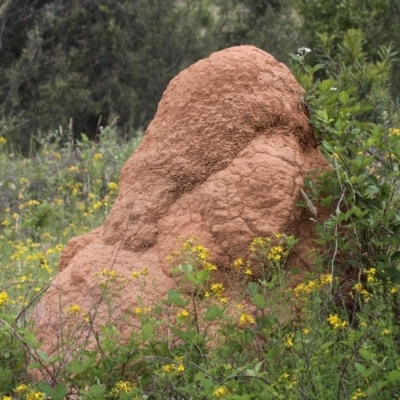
pixel 304 50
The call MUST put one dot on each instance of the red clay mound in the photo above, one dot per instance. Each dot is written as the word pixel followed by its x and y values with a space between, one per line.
pixel 223 160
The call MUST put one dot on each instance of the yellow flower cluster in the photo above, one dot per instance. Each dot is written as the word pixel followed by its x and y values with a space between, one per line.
pixel 276 253
pixel 3 140
pixel 73 168
pixel 137 274
pixel 220 391
pixel 74 309
pixel 112 186
pixel 358 394
pixel 30 394
pixel 183 314
pixel 336 322
pixel 141 310
pixel 218 290
pixel 109 273
pixel 123 387
pixel 371 275
pixel 175 367
pixel 289 340
pixel 97 157
pixel 359 288
pixel 246 320
pixel 194 254
pixel 394 131
pixel 306 288
pixel 258 243
pixel 3 298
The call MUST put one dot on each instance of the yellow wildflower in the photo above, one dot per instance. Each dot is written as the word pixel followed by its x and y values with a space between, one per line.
pixel 276 253
pixel 210 267
pixel 221 391
pixel 22 388
pixel 141 310
pixel 97 156
pixel 3 298
pixel 238 263
pixel 248 271
pixel 113 186
pixel 289 340
pixel 180 368
pixel 183 314
pixel 3 140
pixel 370 275
pixel 35 396
pixel 109 273
pixel 123 387
pixel 246 320
pixel 74 309
pixel 257 243
pixel 168 368
pixel 386 331
pixel 217 289
pixel 357 394
pixel 394 289
pixel 336 322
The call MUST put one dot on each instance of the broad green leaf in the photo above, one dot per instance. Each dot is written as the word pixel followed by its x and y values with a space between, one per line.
pixel 360 368
pixel 326 85
pixel 344 97
pixel 148 331
pixel 259 301
pixel 253 288
pixel 213 313
pixel 367 355
pixel 186 268
pixel 30 339
pixel 393 376
pixel 175 298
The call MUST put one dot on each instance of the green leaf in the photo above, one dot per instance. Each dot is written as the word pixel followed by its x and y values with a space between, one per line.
pixel 258 366
pixel 326 85
pixel 186 268
pixel 175 298
pixel 360 369
pixel 395 257
pixel 393 376
pixel 344 97
pixel 60 392
pixel 148 331
pixel 213 313
pixel 77 367
pixel 30 339
pixel 42 355
pixel 367 355
pixel 253 288
pixel 95 392
pixel 259 301
pixel 326 345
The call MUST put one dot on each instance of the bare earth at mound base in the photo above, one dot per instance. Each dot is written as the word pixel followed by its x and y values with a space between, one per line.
pixel 223 160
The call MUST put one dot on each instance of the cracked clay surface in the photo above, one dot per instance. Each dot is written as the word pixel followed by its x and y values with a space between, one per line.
pixel 224 160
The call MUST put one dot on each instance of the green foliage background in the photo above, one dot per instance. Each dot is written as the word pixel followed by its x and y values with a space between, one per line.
pixel 92 63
